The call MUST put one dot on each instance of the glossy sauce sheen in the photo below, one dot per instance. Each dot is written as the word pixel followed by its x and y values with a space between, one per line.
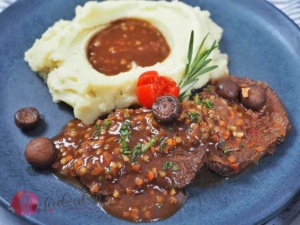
pixel 137 186
pixel 140 166
pixel 124 42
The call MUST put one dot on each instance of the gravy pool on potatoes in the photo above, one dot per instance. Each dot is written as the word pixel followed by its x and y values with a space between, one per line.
pixel 127 43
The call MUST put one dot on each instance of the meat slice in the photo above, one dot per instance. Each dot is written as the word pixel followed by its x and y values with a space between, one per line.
pixel 136 166
pixel 130 151
pixel 239 136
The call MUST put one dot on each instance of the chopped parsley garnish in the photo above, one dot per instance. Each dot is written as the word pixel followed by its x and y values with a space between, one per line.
pixel 125 132
pixel 222 146
pixel 137 150
pixel 162 143
pixel 97 130
pixel 197 99
pixel 208 104
pixel 194 116
pixel 170 165
pixel 125 148
pixel 107 123
pixel 243 145
pixel 125 129
pixel 140 149
pixel 100 127
pixel 126 114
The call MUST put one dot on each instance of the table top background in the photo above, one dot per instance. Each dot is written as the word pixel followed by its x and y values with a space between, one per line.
pixel 289 216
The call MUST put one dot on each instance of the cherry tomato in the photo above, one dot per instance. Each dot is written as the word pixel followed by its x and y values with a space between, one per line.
pixel 151 85
pixel 146 95
pixel 148 77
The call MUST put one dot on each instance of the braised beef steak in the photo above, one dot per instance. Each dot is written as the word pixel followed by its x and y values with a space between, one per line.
pixel 239 136
pixel 130 150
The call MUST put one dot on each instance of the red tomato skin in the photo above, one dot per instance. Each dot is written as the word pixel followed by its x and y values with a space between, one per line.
pixel 166 80
pixel 151 85
pixel 173 91
pixel 148 77
pixel 146 95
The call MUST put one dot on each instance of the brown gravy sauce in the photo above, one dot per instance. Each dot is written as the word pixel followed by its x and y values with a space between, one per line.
pixel 124 42
pixel 94 154
pixel 137 208
pixel 153 205
pixel 127 187
pixel 130 181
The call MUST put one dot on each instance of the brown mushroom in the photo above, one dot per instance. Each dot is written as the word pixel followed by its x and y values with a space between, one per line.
pixel 27 118
pixel 228 89
pixel 253 97
pixel 166 109
pixel 41 153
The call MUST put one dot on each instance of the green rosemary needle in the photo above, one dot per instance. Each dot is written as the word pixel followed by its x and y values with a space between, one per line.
pixel 196 66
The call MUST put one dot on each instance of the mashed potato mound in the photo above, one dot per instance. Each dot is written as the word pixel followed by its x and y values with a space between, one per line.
pixel 59 56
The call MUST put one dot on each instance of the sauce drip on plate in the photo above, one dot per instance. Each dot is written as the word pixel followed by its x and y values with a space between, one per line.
pixel 126 42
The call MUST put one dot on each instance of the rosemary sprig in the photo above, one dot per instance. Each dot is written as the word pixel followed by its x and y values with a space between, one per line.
pixel 196 66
